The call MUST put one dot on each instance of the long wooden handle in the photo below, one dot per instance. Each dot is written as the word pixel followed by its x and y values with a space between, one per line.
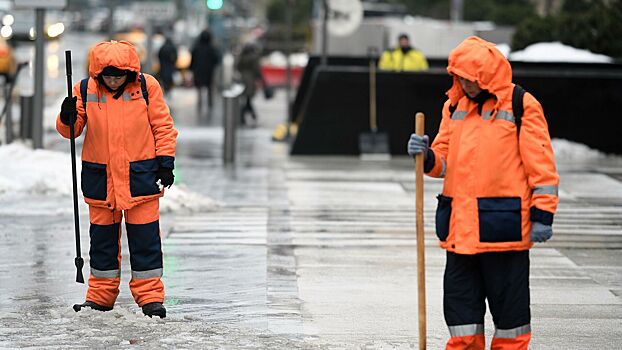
pixel 373 116
pixel 419 129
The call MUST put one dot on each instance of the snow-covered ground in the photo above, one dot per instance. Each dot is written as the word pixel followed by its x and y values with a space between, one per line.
pixel 41 172
pixel 94 329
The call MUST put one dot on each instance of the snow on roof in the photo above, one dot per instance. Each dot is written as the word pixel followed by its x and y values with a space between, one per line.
pixel 557 52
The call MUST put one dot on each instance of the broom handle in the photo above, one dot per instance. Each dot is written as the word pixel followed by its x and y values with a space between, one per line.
pixel 419 129
pixel 373 117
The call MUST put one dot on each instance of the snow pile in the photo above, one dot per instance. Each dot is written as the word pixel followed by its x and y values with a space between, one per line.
pixel 504 48
pixel 42 172
pixel 557 52
pixel 34 171
pixel 178 198
pixel 567 150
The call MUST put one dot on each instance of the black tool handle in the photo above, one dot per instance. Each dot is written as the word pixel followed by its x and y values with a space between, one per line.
pixel 79 262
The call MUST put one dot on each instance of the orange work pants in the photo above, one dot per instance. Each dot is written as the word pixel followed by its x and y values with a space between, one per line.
pixel 143 233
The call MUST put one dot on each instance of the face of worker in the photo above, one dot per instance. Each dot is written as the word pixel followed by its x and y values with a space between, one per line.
pixel 114 82
pixel 404 42
pixel 470 87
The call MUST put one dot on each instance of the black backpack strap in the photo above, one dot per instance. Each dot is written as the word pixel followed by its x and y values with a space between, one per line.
pixel 517 105
pixel 143 88
pixel 84 84
pixel 452 109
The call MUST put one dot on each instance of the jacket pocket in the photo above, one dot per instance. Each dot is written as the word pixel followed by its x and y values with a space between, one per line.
pixel 443 216
pixel 499 219
pixel 143 178
pixel 94 180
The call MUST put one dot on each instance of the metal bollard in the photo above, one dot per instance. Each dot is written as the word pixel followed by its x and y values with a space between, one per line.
pixel 231 103
pixel 25 118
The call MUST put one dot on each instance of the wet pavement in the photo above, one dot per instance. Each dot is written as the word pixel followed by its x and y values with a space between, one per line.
pixel 301 253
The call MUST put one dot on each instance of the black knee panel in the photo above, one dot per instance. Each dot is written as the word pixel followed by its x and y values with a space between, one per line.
pixel 145 246
pixel 104 251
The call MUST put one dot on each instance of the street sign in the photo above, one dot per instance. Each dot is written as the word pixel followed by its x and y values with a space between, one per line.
pixel 156 10
pixel 41 4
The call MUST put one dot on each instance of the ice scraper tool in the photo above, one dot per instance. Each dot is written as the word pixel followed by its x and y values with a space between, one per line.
pixel 72 139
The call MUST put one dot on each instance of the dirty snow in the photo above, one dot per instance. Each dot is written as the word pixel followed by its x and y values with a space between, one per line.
pixel 557 52
pixel 53 327
pixel 42 172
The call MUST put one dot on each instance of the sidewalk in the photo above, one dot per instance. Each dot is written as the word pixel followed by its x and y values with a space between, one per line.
pixel 305 253
pixel 331 248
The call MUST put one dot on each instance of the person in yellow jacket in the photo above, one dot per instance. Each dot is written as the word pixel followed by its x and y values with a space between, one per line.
pixel 129 147
pixel 403 58
pixel 499 196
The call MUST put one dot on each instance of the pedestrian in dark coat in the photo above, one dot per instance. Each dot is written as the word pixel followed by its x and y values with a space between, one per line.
pixel 205 59
pixel 168 59
pixel 250 73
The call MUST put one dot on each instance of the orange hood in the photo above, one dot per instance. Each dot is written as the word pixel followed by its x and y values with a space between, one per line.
pixel 120 54
pixel 476 59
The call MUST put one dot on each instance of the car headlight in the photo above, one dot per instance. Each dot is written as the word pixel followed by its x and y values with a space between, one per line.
pixel 6 31
pixel 8 20
pixel 55 30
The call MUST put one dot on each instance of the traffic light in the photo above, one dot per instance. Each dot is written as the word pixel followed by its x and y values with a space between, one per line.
pixel 214 4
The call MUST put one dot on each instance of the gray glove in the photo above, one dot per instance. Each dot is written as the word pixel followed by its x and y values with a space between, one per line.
pixel 540 232
pixel 418 144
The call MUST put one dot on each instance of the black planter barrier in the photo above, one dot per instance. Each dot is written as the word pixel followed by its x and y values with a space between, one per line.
pixel 581 103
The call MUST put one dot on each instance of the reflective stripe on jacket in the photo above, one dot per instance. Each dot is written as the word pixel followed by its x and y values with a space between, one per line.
pixel 126 140
pixel 495 181
pixel 395 60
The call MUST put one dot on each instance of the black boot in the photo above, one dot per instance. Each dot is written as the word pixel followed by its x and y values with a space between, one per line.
pixel 154 309
pixel 92 305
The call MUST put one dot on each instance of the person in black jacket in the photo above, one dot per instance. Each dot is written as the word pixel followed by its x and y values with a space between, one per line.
pixel 250 72
pixel 205 59
pixel 167 55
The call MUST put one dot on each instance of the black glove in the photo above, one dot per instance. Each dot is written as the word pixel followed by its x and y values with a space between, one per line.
pixel 68 111
pixel 166 177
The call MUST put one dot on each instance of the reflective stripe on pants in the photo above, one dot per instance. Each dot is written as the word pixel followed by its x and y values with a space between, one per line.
pixel 512 339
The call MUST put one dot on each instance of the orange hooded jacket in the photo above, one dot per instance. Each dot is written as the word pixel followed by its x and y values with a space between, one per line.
pixel 126 140
pixel 496 182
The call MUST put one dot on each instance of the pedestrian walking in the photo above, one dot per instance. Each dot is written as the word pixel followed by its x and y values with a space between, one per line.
pixel 167 56
pixel 129 146
pixel 250 72
pixel 404 58
pixel 494 152
pixel 205 59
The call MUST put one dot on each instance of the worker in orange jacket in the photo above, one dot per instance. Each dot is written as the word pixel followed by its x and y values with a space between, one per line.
pixel 129 146
pixel 499 196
